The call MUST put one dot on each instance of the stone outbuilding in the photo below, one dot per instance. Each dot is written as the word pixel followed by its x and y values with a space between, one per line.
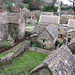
pixel 72 45
pixel 59 62
pixel 46 37
pixel 12 23
pixel 49 19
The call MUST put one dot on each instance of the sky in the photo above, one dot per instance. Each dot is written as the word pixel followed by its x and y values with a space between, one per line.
pixel 67 2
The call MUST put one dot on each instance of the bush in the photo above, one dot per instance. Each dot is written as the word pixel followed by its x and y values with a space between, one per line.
pixel 61 43
pixel 57 42
pixel 66 8
pixel 9 5
pixel 4 45
pixel 7 44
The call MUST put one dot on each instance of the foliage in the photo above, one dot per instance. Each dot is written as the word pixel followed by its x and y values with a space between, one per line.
pixel 24 6
pixel 49 8
pixel 57 42
pixel 9 5
pixel 60 44
pixel 66 8
pixel 27 34
pixel 27 1
pixel 24 64
pixel 4 45
pixel 7 44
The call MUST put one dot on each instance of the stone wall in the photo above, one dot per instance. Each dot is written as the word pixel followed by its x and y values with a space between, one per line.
pixel 10 56
pixel 7 1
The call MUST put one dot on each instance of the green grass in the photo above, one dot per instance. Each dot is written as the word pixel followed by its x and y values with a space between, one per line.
pixel 29 25
pixel 12 49
pixel 24 64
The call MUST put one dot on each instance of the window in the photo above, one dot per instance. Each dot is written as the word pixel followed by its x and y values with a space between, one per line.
pixel 58 28
pixel 69 34
pixel 64 29
pixel 44 46
pixel 44 40
pixel 5 28
pixel 1 29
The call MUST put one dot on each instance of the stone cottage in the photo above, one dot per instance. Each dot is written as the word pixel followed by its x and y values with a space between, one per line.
pixel 62 28
pixel 12 23
pixel 49 19
pixel 71 29
pixel 60 62
pixel 72 45
pixel 47 37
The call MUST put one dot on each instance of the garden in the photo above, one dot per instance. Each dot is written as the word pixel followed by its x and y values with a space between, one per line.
pixel 23 64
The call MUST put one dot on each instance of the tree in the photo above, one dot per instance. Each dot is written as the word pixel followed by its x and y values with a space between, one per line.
pixel 53 4
pixel 34 5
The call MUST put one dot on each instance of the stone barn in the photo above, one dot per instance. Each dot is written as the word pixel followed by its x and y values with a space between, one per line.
pixel 59 62
pixel 72 45
pixel 12 23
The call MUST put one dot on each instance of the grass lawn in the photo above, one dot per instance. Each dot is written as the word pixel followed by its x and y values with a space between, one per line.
pixel 12 49
pixel 23 64
pixel 29 25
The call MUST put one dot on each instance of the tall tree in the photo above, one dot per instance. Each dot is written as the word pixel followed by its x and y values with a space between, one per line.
pixel 54 1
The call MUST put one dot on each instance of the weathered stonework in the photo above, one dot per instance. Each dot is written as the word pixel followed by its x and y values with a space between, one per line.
pixel 12 23
pixel 60 62
pixel 10 56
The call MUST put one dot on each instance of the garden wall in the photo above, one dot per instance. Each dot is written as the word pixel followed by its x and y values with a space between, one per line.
pixel 10 56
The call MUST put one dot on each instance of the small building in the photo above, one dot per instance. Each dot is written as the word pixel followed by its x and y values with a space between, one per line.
pixel 49 19
pixel 48 2
pixel 15 8
pixel 62 28
pixel 47 37
pixel 12 23
pixel 71 23
pixel 72 45
pixel 64 18
pixel 59 62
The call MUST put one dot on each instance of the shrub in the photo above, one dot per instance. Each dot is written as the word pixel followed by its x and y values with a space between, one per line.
pixel 4 45
pixel 10 43
pixel 57 42
pixel 7 44
pixel 61 43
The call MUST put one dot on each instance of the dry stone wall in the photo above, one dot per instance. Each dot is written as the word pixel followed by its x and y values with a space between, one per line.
pixel 10 56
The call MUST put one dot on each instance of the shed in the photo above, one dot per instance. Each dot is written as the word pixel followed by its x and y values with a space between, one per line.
pixel 60 62
pixel 49 19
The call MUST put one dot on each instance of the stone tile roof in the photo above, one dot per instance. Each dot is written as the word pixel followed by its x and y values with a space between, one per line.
pixel 14 17
pixel 72 41
pixel 52 30
pixel 50 19
pixel 71 23
pixel 60 62
pixel 71 30
pixel 10 18
pixel 4 18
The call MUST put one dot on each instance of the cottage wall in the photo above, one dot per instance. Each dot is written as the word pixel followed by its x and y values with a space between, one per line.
pixel 43 71
pixel 49 40
pixel 72 35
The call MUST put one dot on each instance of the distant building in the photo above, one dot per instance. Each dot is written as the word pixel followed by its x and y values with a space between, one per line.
pixel 59 62
pixel 15 8
pixel 48 2
pixel 49 19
